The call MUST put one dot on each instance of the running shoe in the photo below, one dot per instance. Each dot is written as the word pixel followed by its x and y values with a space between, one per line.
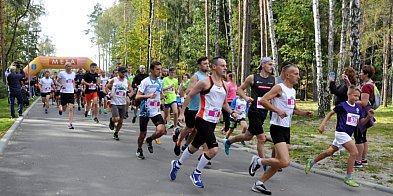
pixel 111 124
pixel 176 150
pixel 253 165
pixel 279 170
pixel 184 147
pixel 169 126
pixel 174 169
pixel 351 182
pixel 46 111
pixel 180 125
pixel 149 144
pixel 116 136
pixel 60 112
pixel 176 134
pixel 79 108
pixel 261 188
pixel 86 112
pixel 89 113
pixel 96 120
pixel 243 143
pixel 139 153
pixel 358 164
pixel 227 145
pixel 364 162
pixel 196 179
pixel 134 119
pixel 70 126
pixel 158 141
pixel 308 166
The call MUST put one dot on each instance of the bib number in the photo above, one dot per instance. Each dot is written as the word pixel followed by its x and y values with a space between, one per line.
pixel 212 114
pixel 352 119
pixel 291 102
pixel 259 103
pixel 93 87
pixel 120 93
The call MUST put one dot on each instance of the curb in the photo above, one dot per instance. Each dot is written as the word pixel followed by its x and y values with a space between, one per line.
pixel 6 138
pixel 321 172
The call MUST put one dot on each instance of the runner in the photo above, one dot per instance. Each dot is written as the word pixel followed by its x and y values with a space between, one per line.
pixel 349 114
pixel 181 92
pixel 66 83
pixel 232 89
pixel 149 93
pixel 91 81
pixel 241 106
pixel 102 101
pixel 260 84
pixel 120 86
pixel 213 98
pixel 135 85
pixel 46 85
pixel 283 104
pixel 78 83
pixel 130 77
pixel 57 90
pixel 192 109
pixel 170 89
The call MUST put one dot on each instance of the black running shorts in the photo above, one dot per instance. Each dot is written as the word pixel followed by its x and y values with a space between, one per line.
pixel 280 134
pixel 256 118
pixel 189 116
pixel 143 121
pixel 205 134
pixel 360 137
pixel 66 98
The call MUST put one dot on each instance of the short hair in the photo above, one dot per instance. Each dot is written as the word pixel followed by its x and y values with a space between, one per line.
pixel 12 68
pixel 171 69
pixel 215 59
pixel 369 70
pixel 188 75
pixel 46 71
pixel 154 64
pixel 353 88
pixel 67 64
pixel 287 66
pixel 93 64
pixel 204 58
pixel 351 73
pixel 129 65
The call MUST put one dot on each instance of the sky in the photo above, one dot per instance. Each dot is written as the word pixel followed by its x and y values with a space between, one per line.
pixel 65 23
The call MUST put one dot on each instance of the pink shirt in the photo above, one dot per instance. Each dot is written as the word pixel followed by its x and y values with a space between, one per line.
pixel 232 89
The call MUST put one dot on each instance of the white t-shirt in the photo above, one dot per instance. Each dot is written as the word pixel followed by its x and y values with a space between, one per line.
pixel 46 85
pixel 150 107
pixel 67 80
pixel 104 81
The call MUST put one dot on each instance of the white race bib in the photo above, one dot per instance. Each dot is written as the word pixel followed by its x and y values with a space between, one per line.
pixel 291 102
pixel 170 90
pixel 120 93
pixel 93 87
pixel 212 114
pixel 352 119
pixel 259 103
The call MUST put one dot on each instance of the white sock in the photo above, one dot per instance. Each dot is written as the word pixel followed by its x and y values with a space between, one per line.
pixel 258 182
pixel 202 162
pixel 185 156
pixel 260 161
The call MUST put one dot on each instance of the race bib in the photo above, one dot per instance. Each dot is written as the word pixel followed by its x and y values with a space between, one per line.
pixel 291 102
pixel 120 93
pixel 259 103
pixel 212 114
pixel 47 88
pixel 155 103
pixel 170 90
pixel 93 87
pixel 352 119
pixel 69 81
pixel 241 107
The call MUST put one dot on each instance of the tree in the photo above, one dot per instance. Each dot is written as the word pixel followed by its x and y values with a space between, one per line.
pixel 149 58
pixel 330 49
pixel 272 36
pixel 207 28
pixel 46 48
pixel 246 42
pixel 232 43
pixel 217 42
pixel 318 56
pixel 354 38
pixel 343 38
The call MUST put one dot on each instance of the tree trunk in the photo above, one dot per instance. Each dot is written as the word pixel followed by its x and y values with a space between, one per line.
pixel 321 112
pixel 354 38
pixel 207 28
pixel 265 20
pixel 239 40
pixel 231 38
pixel 386 43
pixel 3 62
pixel 246 45
pixel 225 25
pixel 343 39
pixel 262 28
pixel 272 36
pixel 217 44
pixel 330 50
pixel 391 50
pixel 150 31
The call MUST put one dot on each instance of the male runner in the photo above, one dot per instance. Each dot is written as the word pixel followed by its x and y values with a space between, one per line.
pixel 213 98
pixel 66 83
pixel 170 89
pixel 91 81
pixel 78 83
pixel 135 85
pixel 57 89
pixel 149 93
pixel 130 77
pixel 46 85
pixel 120 86
pixel 102 94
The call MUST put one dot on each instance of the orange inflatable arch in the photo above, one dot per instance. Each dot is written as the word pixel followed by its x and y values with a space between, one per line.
pixel 45 62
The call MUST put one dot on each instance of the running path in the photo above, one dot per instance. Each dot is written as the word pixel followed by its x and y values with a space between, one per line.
pixel 46 158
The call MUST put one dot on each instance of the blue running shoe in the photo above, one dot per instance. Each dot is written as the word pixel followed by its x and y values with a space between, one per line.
pixel 227 145
pixel 46 111
pixel 196 179
pixel 174 170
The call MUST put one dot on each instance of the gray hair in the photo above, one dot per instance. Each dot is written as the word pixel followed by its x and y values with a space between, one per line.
pixel 12 68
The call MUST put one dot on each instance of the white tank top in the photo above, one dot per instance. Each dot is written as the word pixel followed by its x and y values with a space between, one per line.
pixel 286 102
pixel 46 85
pixel 119 91
pixel 212 101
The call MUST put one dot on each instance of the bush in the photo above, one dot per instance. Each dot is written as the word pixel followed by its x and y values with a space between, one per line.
pixel 3 90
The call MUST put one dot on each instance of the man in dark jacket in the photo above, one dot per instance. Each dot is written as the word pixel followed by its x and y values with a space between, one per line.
pixel 14 87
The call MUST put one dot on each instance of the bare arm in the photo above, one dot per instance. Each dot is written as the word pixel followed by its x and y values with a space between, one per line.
pixel 364 99
pixel 370 114
pixel 109 86
pixel 193 81
pixel 139 96
pixel 276 91
pixel 200 85
pixel 324 121
pixel 130 88
pixel 299 112
pixel 241 90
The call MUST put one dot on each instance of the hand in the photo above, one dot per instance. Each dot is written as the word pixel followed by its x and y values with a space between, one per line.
pixel 370 113
pixel 281 114
pixel 235 115
pixel 309 114
pixel 173 85
pixel 181 117
pixel 153 95
pixel 321 129
pixel 249 99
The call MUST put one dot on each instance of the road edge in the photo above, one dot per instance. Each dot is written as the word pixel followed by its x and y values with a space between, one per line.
pixel 8 135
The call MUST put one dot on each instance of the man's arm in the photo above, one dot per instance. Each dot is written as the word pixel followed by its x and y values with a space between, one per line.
pixel 299 112
pixel 109 86
pixel 364 99
pixel 193 81
pixel 241 90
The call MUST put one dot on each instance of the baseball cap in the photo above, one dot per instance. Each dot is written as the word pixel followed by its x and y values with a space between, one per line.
pixel 122 69
pixel 142 67
pixel 264 60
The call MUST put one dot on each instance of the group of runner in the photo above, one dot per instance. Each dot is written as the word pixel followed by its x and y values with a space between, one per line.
pixel 205 96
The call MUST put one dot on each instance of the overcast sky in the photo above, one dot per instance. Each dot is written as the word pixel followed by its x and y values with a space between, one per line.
pixel 65 23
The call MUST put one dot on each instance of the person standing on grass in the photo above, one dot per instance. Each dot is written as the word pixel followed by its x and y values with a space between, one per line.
pixel 15 88
pixel 232 89
pixel 281 100
pixel 349 115
pixel 348 78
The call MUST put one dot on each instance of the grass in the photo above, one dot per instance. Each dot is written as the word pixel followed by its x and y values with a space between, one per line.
pixel 307 142
pixel 5 120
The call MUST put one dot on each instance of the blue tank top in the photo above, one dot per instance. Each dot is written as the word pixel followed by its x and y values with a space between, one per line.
pixel 195 101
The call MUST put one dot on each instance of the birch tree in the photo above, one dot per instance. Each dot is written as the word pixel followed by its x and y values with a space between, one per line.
pixel 217 43
pixel 343 39
pixel 150 31
pixel 246 43
pixel 318 57
pixel 207 27
pixel 354 38
pixel 330 50
pixel 385 56
pixel 262 27
pixel 272 36
pixel 232 43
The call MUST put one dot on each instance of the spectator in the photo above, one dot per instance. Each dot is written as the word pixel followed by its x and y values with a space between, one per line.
pixel 340 91
pixel 15 88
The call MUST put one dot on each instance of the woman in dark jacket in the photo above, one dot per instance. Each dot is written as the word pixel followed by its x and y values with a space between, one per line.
pixel 349 78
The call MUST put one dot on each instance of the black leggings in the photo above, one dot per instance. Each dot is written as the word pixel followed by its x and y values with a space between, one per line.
pixel 226 118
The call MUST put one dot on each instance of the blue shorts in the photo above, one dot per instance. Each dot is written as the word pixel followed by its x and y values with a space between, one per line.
pixel 169 105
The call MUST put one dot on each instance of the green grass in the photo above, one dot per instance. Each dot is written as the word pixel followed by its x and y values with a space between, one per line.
pixel 5 120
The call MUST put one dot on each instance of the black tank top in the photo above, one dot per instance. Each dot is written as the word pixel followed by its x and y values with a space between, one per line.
pixel 260 87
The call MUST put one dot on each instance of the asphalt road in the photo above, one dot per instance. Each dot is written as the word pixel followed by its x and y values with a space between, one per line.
pixel 46 158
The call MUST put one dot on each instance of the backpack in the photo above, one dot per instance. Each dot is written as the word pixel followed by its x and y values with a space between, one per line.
pixel 376 100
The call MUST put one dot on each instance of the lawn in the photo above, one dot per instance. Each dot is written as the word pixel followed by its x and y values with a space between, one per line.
pixel 307 142
pixel 5 120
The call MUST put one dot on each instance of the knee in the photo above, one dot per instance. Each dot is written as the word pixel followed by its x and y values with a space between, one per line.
pixel 161 129
pixel 354 153
pixel 284 163
pixel 329 152
pixel 142 134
